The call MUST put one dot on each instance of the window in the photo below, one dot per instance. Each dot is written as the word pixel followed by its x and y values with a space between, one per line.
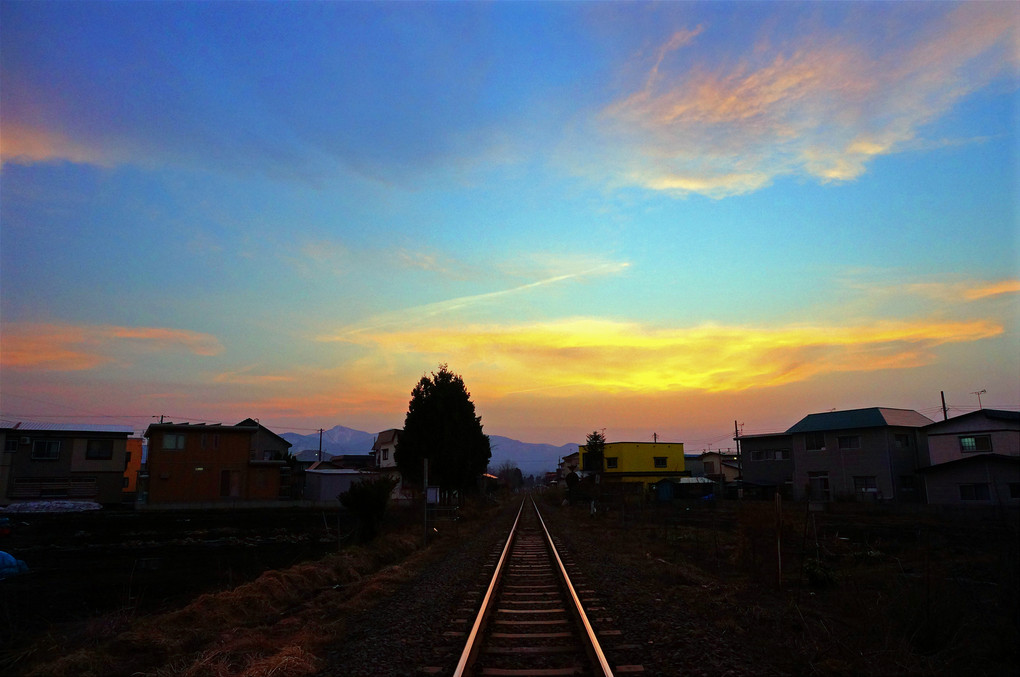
pixel 975 443
pixel 865 485
pixel 814 441
pixel 45 450
pixel 849 441
pixel 902 441
pixel 818 485
pixel 659 461
pixel 611 461
pixel 385 454
pixel 974 492
pixel 171 441
pixel 99 450
pixel 11 444
pixel 771 455
pixel 709 467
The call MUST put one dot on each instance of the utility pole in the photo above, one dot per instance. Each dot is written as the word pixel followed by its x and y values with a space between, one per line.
pixel 945 412
pixel 320 445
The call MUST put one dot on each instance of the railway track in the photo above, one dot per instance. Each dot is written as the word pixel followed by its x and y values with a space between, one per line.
pixel 531 620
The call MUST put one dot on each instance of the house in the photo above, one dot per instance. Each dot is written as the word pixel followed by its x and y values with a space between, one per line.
pixel 200 463
pixel 56 461
pixel 868 454
pixel 638 462
pixel 766 462
pixel 693 465
pixel 721 466
pixel 385 451
pixel 974 459
pixel 568 464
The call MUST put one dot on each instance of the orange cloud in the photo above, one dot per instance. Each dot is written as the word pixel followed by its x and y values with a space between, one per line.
pixel 28 145
pixel 971 290
pixel 818 104
pixel 586 354
pixel 66 347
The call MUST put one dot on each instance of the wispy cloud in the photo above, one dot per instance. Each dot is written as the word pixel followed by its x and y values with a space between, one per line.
pixel 590 354
pixel 69 347
pixel 28 144
pixel 429 311
pixel 821 104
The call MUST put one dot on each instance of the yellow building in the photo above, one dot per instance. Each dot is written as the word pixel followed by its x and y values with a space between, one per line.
pixel 645 462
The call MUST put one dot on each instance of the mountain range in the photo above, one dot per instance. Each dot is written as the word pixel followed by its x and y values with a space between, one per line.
pixel 531 458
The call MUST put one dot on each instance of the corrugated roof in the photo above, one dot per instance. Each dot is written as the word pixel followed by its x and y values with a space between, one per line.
pixel 873 417
pixel 32 426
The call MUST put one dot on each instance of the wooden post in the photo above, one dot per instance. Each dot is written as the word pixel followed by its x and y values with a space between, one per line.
pixel 779 538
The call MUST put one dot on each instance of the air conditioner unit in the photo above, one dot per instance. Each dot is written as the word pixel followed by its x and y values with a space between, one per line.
pixel 26 440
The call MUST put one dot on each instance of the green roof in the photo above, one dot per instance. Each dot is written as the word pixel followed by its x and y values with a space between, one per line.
pixel 873 417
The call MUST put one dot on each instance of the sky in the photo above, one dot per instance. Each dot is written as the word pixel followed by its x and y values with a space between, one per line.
pixel 674 219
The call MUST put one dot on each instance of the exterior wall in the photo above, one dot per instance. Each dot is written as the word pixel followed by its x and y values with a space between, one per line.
pixel 893 467
pixel 635 461
pixel 327 485
pixel 218 463
pixel 132 465
pixel 720 466
pixel 944 438
pixel 768 461
pixel 943 485
pixel 70 474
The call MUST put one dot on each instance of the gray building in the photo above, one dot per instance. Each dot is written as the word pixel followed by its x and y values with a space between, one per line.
pixel 766 462
pixel 974 459
pixel 867 454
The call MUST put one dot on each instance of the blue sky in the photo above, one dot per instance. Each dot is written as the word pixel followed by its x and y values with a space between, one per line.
pixel 644 217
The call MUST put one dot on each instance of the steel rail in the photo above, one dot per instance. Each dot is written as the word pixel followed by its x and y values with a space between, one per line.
pixel 592 639
pixel 476 629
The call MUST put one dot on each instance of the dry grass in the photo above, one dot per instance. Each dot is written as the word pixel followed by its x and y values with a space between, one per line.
pixel 276 625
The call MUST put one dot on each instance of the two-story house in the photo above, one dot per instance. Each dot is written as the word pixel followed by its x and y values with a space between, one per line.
pixel 200 463
pixel 974 459
pixel 766 462
pixel 864 453
pixel 384 450
pixel 55 461
pixel 637 462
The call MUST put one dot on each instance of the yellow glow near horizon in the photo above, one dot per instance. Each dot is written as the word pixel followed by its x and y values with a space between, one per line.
pixel 589 353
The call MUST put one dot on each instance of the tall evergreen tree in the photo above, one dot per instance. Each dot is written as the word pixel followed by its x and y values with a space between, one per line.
pixel 595 448
pixel 441 426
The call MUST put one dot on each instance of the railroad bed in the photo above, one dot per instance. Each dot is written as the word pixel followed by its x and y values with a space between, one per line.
pixel 532 619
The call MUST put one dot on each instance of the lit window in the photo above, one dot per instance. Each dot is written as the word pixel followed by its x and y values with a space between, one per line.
pixel 975 443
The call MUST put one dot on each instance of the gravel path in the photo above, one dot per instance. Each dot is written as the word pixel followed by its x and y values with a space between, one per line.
pixel 403 632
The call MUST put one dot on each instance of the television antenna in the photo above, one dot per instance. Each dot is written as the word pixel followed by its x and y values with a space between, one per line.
pixel 979 393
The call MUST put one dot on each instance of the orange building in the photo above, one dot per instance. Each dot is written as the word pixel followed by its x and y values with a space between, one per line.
pixel 213 463
pixel 133 464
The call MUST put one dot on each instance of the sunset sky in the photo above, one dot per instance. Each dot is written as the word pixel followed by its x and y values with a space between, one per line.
pixel 649 218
